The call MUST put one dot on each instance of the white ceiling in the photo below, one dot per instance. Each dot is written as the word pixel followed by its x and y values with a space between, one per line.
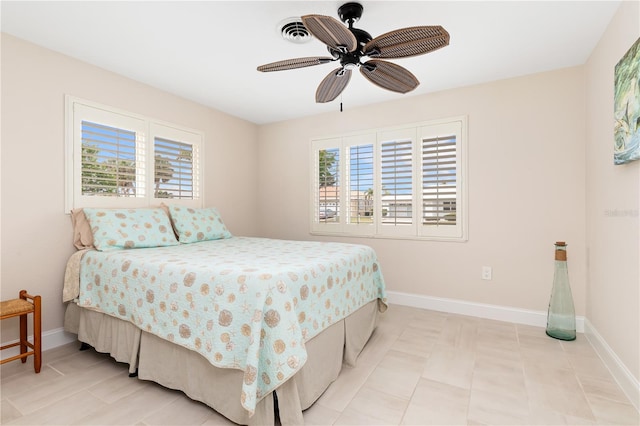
pixel 208 51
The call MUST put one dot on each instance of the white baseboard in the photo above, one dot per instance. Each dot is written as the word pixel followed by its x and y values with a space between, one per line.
pixel 50 339
pixel 621 374
pixel 480 310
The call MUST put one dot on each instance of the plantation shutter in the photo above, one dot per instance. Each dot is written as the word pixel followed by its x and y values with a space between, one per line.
pixel 396 182
pixel 173 169
pixel 112 161
pixel 404 182
pixel 361 184
pixel 439 181
pixel 328 201
pixel 117 159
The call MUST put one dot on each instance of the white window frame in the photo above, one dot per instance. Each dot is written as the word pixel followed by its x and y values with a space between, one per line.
pixel 147 129
pixel 416 132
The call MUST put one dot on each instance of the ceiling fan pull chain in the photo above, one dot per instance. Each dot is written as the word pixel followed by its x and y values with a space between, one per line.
pixel 340 102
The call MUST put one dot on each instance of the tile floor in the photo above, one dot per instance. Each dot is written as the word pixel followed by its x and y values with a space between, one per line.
pixel 420 367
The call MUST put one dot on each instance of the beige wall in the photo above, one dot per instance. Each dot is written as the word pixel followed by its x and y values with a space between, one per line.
pixel 36 233
pixel 613 235
pixel 526 188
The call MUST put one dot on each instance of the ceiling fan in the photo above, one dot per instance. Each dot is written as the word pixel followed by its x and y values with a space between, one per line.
pixel 349 45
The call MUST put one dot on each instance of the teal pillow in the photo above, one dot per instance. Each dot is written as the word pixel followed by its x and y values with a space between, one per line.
pixel 115 229
pixel 193 225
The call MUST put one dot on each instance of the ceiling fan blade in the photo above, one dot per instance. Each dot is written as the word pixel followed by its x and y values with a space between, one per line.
pixel 405 42
pixel 332 85
pixel 289 64
pixel 389 76
pixel 331 32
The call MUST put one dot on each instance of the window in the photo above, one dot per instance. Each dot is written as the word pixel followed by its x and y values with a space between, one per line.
pixel 404 182
pixel 119 159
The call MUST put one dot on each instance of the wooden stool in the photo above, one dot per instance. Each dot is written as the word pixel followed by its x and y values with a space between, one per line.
pixel 22 307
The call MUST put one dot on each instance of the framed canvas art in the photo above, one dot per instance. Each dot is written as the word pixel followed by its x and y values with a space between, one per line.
pixel 627 107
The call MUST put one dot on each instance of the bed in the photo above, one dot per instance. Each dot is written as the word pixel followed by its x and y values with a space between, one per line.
pixel 239 323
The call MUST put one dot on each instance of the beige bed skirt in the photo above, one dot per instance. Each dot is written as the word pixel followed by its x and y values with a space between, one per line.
pixel 179 368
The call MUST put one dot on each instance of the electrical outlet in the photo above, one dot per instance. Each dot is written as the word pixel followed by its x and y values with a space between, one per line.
pixel 486 272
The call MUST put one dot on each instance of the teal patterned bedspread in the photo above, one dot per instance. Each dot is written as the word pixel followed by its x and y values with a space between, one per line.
pixel 244 303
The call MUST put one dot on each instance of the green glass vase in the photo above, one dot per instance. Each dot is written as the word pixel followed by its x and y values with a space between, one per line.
pixel 561 318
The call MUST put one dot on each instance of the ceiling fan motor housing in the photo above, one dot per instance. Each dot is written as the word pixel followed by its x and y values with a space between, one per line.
pixel 363 38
